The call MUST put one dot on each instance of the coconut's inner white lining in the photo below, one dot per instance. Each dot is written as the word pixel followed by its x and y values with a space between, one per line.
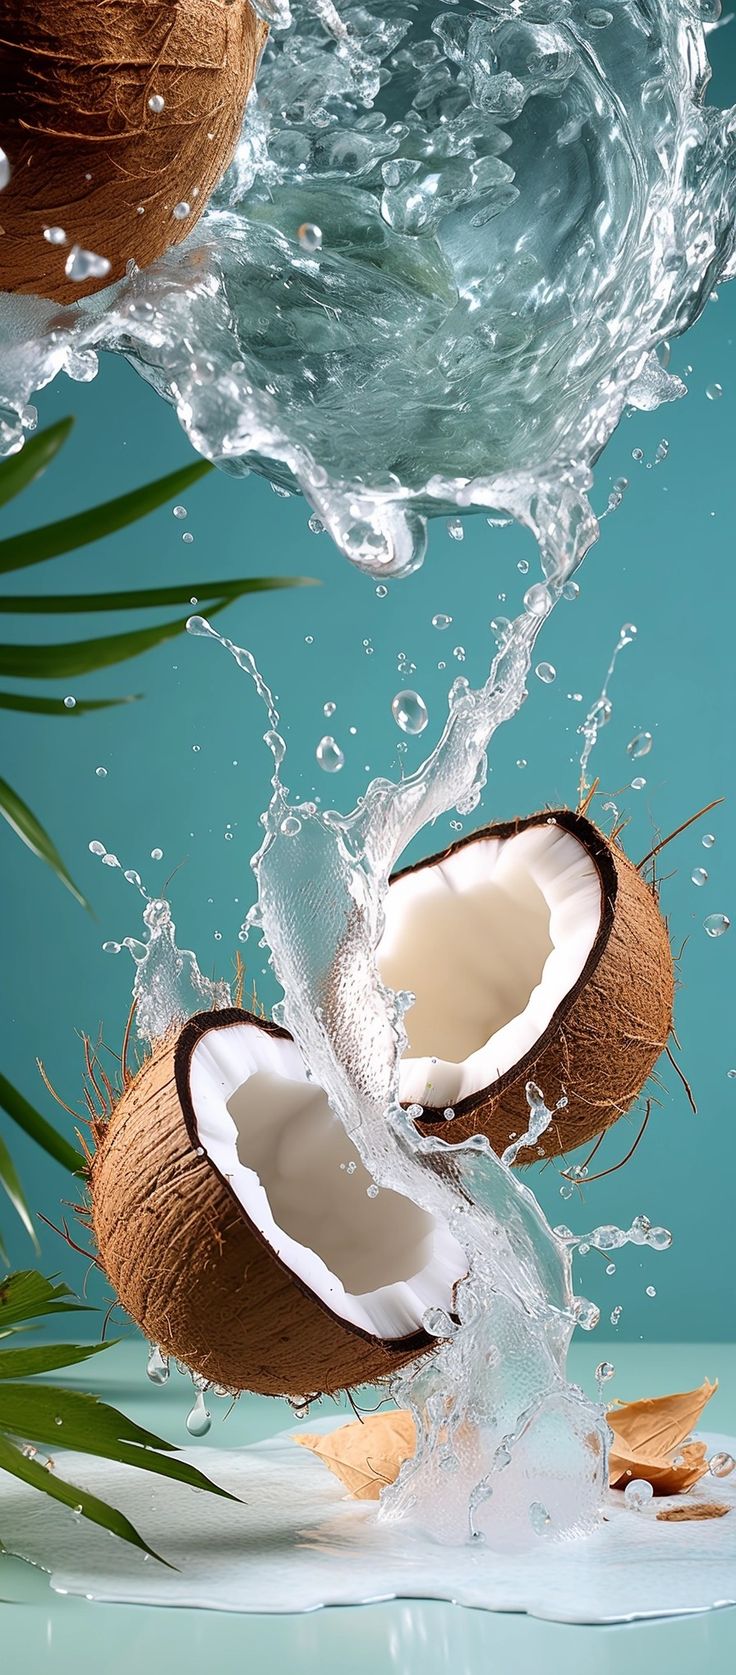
pixel 489 941
pixel 380 1262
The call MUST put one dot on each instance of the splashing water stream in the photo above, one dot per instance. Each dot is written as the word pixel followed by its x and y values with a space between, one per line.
pixel 434 276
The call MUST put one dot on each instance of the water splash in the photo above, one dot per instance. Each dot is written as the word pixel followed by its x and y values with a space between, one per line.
pixel 518 200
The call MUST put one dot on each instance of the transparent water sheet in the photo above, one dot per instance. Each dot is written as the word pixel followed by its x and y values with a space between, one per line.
pixel 297 1543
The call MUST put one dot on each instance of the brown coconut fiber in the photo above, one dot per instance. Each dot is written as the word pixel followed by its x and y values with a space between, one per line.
pixel 189 1266
pixel 87 154
pixel 604 1040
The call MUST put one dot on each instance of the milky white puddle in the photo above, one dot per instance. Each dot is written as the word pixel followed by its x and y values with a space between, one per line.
pixel 263 1556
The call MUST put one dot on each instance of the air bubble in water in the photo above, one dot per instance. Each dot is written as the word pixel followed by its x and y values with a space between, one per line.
pixel 199 1420
pixel 546 672
pixel 81 265
pixel 640 745
pixel 329 755
pixel 310 237
pixel 638 1494
pixel 716 924
pixel 409 712
pixel 699 876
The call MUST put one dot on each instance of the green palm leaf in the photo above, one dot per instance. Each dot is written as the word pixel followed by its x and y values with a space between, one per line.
pixel 27 1295
pixel 68 534
pixel 10 1184
pixel 82 657
pixel 37 1128
pixel 147 598
pixel 22 469
pixel 31 832
pixel 29 705
pixel 47 1358
pixel 29 1471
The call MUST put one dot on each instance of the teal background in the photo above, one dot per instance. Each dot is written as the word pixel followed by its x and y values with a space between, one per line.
pixel 664 561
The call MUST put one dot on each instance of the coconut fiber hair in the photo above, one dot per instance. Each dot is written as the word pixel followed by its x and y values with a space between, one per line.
pixel 87 153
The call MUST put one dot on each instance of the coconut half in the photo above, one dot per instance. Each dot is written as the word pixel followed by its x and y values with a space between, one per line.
pixel 536 952
pixel 233 1217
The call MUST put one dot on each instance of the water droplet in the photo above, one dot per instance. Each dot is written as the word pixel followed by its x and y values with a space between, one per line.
pixel 610 1267
pixel 329 755
pixel 156 103
pixel 199 1420
pixel 372 1190
pixel 567 1189
pixel 521 762
pixel 637 454
pixel 638 1494
pixel 716 924
pixel 70 703
pixel 316 525
pixel 604 1371
pixel 409 712
pixel 616 1314
pixel 351 1167
pixel 101 773
pixel 638 783
pixel 721 1465
pixel 714 392
pixel 523 567
pixel 441 621
pixel 731 1075
pixel 157 1366
pixel 546 672
pixel 290 826
pixel 85 264
pixel 187 538
pixel 310 237
pixel 571 590
pixel 459 653
pixel 456 529
pixel 4 169
pixel 157 854
pixel 539 1518
pixel 181 210
pixel 329 709
pixel 699 876
pixel 708 840
pixel 640 745
pixel 180 511
pixel 54 235
pixel 381 591
pixel 538 600
pixel 651 1291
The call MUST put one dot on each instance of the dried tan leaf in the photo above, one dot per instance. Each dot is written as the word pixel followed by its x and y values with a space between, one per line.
pixel 649 1441
pixel 692 1510
pixel 366 1454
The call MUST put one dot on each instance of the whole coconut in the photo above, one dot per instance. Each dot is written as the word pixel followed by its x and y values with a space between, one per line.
pixel 117 119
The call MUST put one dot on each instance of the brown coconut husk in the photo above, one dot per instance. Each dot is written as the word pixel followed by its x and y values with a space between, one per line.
pixel 604 1040
pixel 86 152
pixel 189 1266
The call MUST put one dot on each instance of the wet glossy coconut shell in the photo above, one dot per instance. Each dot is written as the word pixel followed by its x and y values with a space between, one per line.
pixel 189 1266
pixel 86 151
pixel 603 1042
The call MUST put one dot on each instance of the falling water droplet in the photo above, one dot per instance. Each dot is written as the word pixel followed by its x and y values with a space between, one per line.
pixel 70 703
pixel 456 530
pixel 638 783
pixel 199 1420
pixel 546 672
pixel 101 773
pixel 157 854
pixel 716 924
pixel 708 840
pixel 651 1291
pixel 604 1371
pixel 310 237
pixel 85 264
pixel 699 876
pixel 714 392
pixel 640 745
pixel 111 947
pixel 409 712
pixel 381 591
pixel 329 755
pixel 441 621
pixel 180 511
pixel 157 1366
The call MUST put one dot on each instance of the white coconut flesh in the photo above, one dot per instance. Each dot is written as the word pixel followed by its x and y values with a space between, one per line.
pixel 378 1263
pixel 490 941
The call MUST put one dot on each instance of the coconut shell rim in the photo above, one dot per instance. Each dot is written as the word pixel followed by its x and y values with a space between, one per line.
pixel 600 850
pixel 202 1024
